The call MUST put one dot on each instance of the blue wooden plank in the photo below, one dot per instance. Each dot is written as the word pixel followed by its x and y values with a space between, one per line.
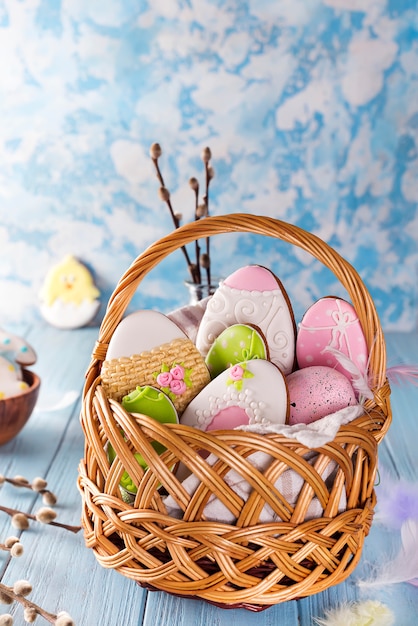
pixel 396 453
pixel 163 608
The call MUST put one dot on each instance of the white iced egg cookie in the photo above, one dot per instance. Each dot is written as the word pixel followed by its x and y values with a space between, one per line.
pixel 10 379
pixel 252 295
pixel 15 348
pixel 147 348
pixel 252 392
pixel 69 298
pixel 142 331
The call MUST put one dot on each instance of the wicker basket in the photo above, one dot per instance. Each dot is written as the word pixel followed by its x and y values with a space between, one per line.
pixel 247 564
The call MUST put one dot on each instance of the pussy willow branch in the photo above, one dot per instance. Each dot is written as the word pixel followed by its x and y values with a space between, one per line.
pixel 196 217
pixel 176 222
pixel 11 512
pixel 27 604
pixel 207 181
pixel 168 201
pixel 25 484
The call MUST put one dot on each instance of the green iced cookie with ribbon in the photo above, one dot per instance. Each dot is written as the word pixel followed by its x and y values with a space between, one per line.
pixel 153 403
pixel 237 343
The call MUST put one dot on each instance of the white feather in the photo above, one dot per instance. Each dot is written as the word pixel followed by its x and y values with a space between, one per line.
pixel 57 402
pixel 359 379
pixel 404 567
pixel 367 613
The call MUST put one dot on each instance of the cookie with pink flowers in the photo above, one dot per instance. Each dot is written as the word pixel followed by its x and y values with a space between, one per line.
pixel 251 392
pixel 148 349
pixel 252 295
pixel 329 333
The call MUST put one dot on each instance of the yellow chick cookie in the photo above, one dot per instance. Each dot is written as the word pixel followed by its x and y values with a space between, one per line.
pixel 69 297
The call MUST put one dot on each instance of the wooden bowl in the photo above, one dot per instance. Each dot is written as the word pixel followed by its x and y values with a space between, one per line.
pixel 16 410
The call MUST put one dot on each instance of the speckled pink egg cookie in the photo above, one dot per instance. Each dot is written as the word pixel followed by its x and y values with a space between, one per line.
pixel 331 322
pixel 317 391
pixel 252 392
pixel 252 295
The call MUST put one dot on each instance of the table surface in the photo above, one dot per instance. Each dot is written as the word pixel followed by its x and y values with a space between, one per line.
pixel 65 574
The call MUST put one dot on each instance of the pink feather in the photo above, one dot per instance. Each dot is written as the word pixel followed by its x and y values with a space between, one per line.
pixel 400 374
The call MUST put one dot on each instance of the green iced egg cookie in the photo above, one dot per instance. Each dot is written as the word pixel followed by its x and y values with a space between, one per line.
pixel 237 343
pixel 126 484
pixel 153 403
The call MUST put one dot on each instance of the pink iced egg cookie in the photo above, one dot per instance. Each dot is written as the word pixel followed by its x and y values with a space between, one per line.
pixel 252 392
pixel 317 391
pixel 331 323
pixel 252 295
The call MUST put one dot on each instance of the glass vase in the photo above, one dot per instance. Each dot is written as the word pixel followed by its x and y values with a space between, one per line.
pixel 200 291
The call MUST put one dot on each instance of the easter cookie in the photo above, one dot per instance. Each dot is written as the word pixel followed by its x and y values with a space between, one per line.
pixel 11 383
pixel 252 392
pixel 331 323
pixel 252 295
pixel 317 391
pixel 153 403
pixel 141 331
pixel 69 298
pixel 148 349
pixel 237 343
pixel 15 348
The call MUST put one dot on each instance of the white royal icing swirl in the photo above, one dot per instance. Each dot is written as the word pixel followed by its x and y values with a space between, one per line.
pixel 268 310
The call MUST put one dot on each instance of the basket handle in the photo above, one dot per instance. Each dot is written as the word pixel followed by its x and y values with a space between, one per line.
pixel 256 224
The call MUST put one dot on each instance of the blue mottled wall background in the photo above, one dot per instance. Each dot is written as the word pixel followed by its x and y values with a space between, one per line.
pixel 310 108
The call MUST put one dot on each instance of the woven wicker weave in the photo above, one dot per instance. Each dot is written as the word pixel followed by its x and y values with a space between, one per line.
pixel 248 563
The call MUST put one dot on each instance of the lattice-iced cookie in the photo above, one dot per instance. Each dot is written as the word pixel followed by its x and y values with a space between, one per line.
pixel 149 349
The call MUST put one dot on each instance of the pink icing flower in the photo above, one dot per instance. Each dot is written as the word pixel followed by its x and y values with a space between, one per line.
pixel 177 372
pixel 178 387
pixel 164 379
pixel 236 372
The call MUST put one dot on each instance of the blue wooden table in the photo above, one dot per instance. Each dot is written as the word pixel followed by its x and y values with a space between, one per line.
pixel 65 574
